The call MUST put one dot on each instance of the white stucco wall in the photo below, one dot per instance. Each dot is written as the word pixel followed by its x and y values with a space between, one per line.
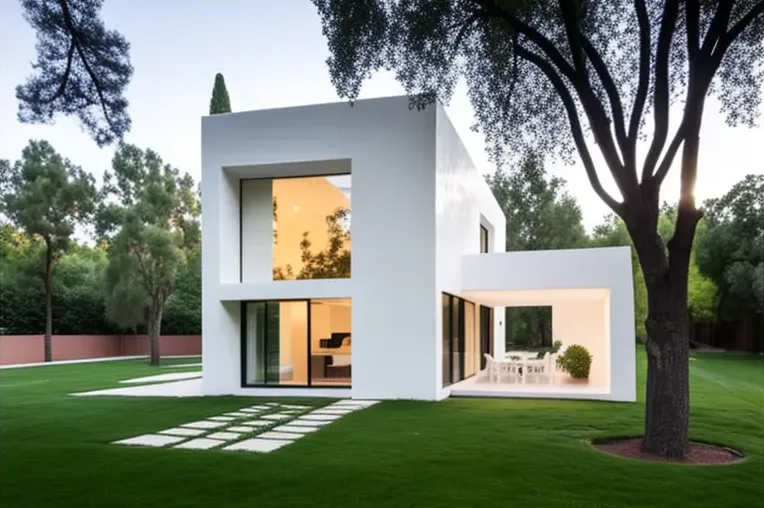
pixel 493 277
pixel 390 152
pixel 463 202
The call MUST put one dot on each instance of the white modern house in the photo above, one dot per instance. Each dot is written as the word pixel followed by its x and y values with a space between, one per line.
pixel 357 251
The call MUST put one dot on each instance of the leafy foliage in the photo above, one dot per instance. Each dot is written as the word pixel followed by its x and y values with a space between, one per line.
pixel 78 291
pixel 220 102
pixel 46 196
pixel 153 225
pixel 81 69
pixel 576 360
pixel 731 253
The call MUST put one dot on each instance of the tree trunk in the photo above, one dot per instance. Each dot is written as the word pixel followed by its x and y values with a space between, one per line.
pixel 154 329
pixel 667 325
pixel 48 283
pixel 668 391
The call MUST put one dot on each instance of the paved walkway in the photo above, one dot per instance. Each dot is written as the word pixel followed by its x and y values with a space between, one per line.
pixel 187 388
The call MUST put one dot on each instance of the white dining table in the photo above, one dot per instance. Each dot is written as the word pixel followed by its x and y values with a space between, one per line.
pixel 523 359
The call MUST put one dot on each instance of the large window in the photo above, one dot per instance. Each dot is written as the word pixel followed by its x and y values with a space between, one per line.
pixel 296 343
pixel 311 227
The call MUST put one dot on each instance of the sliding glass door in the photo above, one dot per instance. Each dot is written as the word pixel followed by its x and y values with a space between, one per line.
pixel 461 346
pixel 486 334
pixel 296 343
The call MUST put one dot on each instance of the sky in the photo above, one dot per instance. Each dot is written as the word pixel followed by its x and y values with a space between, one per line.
pixel 272 54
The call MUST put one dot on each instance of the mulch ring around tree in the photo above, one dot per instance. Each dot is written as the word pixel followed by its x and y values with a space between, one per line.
pixel 698 454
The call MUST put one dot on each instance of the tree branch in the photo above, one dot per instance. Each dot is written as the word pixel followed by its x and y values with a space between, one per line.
pixel 668 158
pixel 466 25
pixel 569 13
pixel 575 124
pixel 661 107
pixel 76 43
pixel 612 93
pixel 65 79
pixel 717 27
pixel 644 80
pixel 728 38
pixel 692 20
pixel 532 34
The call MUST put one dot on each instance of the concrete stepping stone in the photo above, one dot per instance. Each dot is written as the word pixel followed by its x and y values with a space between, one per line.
pixel 180 431
pixel 257 423
pixel 259 408
pixel 249 410
pixel 291 406
pixel 237 414
pixel 221 418
pixel 280 435
pixel 354 402
pixel 245 430
pixel 154 440
pixel 204 424
pixel 331 411
pixel 201 443
pixel 322 417
pixel 225 436
pixel 258 445
pixel 276 416
pixel 309 423
pixel 298 429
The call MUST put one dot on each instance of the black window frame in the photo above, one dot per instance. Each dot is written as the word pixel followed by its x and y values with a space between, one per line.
pixel 243 348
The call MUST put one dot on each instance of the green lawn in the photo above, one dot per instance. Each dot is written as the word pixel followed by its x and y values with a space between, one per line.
pixel 54 450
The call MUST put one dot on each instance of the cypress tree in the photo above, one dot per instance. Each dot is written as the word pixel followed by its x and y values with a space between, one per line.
pixel 220 102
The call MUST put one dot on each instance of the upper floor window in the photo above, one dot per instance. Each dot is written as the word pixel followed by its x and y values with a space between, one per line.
pixel 311 227
pixel 483 240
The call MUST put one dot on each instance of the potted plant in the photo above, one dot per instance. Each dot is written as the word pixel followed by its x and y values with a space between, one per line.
pixel 576 361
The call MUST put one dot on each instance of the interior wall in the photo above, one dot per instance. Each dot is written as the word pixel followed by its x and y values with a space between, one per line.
pixel 293 333
pixel 586 323
pixel 256 230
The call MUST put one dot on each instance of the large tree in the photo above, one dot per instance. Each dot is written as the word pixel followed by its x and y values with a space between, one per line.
pixel 150 219
pixel 220 102
pixel 81 69
pixel 46 196
pixel 541 215
pixel 605 66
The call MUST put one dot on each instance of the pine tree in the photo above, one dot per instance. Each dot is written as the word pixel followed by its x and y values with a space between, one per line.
pixel 220 102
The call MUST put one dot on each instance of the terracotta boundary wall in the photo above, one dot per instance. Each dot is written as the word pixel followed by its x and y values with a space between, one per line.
pixel 21 349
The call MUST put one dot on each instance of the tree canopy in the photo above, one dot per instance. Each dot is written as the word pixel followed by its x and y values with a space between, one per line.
pixel 540 212
pixel 152 226
pixel 220 102
pixel 731 253
pixel 46 196
pixel 82 69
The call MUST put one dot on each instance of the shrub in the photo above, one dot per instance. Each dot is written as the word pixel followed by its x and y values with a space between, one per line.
pixel 576 361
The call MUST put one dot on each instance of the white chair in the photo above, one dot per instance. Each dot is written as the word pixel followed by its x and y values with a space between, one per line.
pixel 491 367
pixel 498 370
pixel 541 370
